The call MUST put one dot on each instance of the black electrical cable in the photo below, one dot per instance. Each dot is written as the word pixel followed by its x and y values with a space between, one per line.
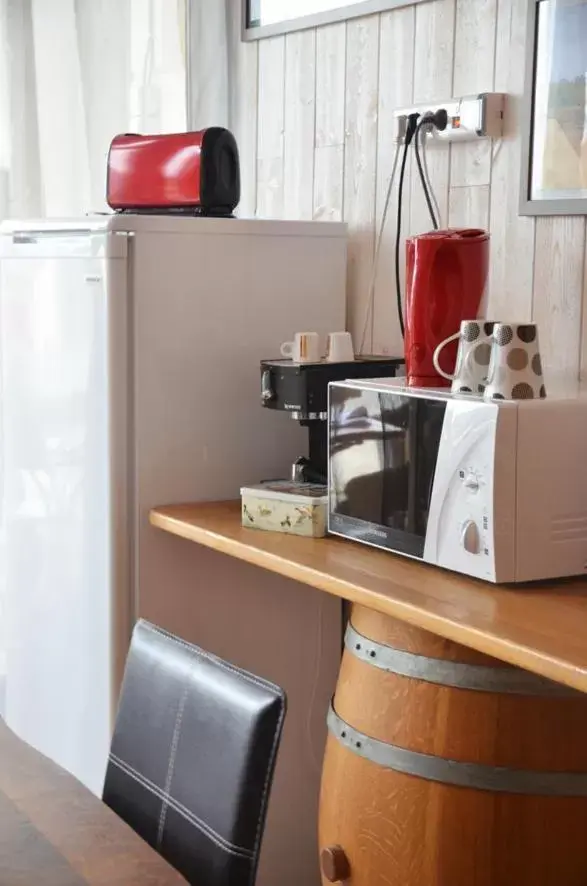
pixel 411 129
pixel 439 119
pixel 425 121
pixel 398 236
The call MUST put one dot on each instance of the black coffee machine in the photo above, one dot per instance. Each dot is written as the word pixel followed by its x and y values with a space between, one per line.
pixel 301 389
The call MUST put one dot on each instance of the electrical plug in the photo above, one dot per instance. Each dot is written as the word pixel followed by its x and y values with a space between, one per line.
pixel 437 119
pixel 440 119
pixel 411 127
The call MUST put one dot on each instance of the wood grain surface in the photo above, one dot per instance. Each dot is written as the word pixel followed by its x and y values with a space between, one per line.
pixel 403 830
pixel 360 160
pixel 270 128
pixel 433 75
pixel 396 40
pixel 300 112
pixel 540 627
pixel 54 832
pixel 329 126
pixel 512 236
pixel 243 68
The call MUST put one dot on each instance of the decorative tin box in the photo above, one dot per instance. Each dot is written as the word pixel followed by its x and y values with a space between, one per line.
pixel 285 506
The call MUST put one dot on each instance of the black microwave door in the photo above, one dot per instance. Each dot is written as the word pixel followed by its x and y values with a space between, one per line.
pixel 383 455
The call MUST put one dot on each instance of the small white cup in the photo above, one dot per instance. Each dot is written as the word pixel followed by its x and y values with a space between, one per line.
pixel 515 371
pixel 305 348
pixel 339 347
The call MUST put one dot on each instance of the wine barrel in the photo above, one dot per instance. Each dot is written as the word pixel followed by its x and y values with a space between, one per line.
pixel 445 767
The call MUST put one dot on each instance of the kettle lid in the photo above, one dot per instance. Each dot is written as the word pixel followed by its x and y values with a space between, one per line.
pixel 473 235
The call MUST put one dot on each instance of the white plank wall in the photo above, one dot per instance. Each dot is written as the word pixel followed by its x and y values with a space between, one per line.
pixel 474 63
pixel 360 155
pixel 300 114
pixel 329 134
pixel 396 41
pixel 243 77
pixel 433 74
pixel 319 107
pixel 559 272
pixel 512 236
pixel 270 128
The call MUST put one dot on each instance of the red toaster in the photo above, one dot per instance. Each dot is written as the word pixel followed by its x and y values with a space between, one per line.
pixel 191 172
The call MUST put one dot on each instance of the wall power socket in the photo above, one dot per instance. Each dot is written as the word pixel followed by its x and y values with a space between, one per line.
pixel 469 118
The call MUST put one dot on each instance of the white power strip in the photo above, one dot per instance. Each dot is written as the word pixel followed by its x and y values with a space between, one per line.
pixel 469 118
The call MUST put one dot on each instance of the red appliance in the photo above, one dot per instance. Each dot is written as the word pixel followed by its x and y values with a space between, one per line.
pixel 193 172
pixel 445 282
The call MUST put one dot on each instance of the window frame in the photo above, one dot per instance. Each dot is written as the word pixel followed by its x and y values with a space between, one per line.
pixel 527 205
pixel 341 13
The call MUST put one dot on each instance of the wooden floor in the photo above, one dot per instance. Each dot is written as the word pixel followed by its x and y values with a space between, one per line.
pixel 540 627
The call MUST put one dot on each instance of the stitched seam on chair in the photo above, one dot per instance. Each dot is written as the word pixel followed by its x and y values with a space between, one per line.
pixel 178 807
pixel 264 684
pixel 264 796
pixel 182 810
pixel 171 766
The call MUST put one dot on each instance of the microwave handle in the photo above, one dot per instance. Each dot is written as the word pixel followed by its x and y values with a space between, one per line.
pixel 412 465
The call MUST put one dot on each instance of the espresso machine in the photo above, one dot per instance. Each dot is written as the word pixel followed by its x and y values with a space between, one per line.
pixel 301 389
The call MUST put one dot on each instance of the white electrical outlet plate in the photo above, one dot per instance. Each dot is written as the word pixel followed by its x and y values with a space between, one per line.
pixel 469 118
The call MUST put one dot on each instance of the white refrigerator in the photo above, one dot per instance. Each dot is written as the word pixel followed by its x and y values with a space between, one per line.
pixel 129 377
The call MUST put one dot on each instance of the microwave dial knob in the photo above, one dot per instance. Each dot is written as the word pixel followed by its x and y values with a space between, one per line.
pixel 472 483
pixel 470 537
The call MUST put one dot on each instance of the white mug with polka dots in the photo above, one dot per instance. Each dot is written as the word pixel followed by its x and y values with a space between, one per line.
pixel 515 369
pixel 473 355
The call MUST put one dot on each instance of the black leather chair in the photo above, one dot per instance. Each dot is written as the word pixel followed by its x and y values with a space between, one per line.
pixel 192 757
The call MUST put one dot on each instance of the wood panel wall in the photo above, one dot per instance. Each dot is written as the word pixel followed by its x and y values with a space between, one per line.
pixel 315 125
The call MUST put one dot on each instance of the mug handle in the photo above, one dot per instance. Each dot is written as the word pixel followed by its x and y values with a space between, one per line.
pixel 436 355
pixel 287 349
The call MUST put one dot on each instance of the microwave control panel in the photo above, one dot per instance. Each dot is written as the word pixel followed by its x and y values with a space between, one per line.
pixel 472 507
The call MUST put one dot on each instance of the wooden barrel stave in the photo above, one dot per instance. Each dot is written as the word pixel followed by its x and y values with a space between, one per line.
pixel 402 830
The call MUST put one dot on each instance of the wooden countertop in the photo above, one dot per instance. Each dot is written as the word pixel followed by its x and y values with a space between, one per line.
pixel 542 627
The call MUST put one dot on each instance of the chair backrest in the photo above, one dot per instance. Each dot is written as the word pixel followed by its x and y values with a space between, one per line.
pixel 192 757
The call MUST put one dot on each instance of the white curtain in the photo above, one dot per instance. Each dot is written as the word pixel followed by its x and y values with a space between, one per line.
pixel 208 83
pixel 73 73
pixel 218 66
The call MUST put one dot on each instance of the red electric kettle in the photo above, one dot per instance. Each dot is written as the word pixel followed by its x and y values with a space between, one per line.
pixel 446 277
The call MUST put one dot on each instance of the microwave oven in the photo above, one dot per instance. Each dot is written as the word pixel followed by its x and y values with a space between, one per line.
pixel 491 489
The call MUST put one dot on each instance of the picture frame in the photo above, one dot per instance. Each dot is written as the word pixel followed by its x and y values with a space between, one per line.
pixel 554 120
pixel 253 29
